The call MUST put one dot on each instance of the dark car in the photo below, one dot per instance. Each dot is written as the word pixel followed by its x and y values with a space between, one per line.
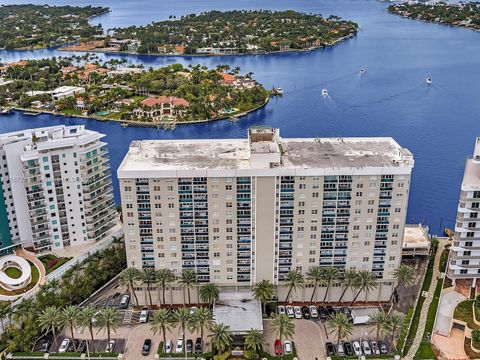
pixel 383 348
pixel 322 313
pixel 306 312
pixel 348 349
pixel 347 311
pixel 71 348
pixel 337 310
pixel 198 346
pixel 330 349
pixel 189 346
pixel 45 346
pixel 147 345
pixel 82 347
pixel 330 311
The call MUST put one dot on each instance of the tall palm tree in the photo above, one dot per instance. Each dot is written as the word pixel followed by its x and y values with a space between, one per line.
pixel 187 280
pixel 263 291
pixel 221 337
pixel 405 275
pixel 315 276
pixel 128 278
pixel 394 322
pixel 209 293
pixel 349 279
pixel 365 281
pixel 70 319
pixel 330 274
pixel 254 341
pixel 283 326
pixel 293 281
pixel 108 320
pixel 377 320
pixel 182 317
pixel 340 325
pixel 24 310
pixel 149 277
pixel 51 320
pixel 87 319
pixel 164 278
pixel 201 320
pixel 162 322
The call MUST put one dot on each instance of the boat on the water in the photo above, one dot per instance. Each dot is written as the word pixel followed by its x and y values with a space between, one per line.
pixel 362 71
pixel 277 91
pixel 429 81
pixel 31 113
pixel 6 110
pixel 324 92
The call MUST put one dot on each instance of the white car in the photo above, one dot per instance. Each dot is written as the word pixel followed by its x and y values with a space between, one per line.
pixel 356 348
pixel 290 312
pixel 281 309
pixel 143 316
pixel 298 312
pixel 287 347
pixel 366 348
pixel 64 346
pixel 340 350
pixel 168 347
pixel 110 346
pixel 179 349
pixel 313 311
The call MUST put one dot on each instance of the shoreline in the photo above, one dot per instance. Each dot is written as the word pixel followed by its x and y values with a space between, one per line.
pixel 435 22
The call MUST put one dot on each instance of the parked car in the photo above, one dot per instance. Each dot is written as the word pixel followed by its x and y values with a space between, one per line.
pixel 71 348
pixel 189 345
pixel 340 350
pixel 281 309
pixel 367 350
pixel 287 347
pixel 179 348
pixel 193 309
pixel 290 312
pixel 322 313
pixel 313 311
pixel 45 347
pixel 198 345
pixel 82 347
pixel 306 312
pixel 330 349
pixel 298 312
pixel 330 311
pixel 124 301
pixel 347 311
pixel 348 349
pixel 278 347
pixel 110 346
pixel 147 345
pixel 64 345
pixel 356 348
pixel 337 310
pixel 168 347
pixel 375 348
pixel 143 316
pixel 383 348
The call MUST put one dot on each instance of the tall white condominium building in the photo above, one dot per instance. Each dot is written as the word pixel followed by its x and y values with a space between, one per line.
pixel 465 253
pixel 237 211
pixel 57 188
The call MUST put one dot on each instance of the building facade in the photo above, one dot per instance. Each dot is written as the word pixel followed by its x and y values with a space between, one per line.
pixel 464 261
pixel 57 187
pixel 239 211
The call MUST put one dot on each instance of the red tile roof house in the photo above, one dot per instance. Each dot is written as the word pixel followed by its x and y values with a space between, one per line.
pixel 162 107
pixel 227 79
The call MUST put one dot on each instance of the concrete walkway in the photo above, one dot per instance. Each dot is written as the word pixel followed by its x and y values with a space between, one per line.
pixel 446 307
pixel 426 304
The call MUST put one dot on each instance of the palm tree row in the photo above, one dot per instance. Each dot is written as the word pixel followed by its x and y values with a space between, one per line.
pixel 386 323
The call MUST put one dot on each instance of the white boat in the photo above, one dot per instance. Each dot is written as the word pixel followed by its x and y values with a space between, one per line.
pixel 429 81
pixel 362 71
pixel 324 92
pixel 278 90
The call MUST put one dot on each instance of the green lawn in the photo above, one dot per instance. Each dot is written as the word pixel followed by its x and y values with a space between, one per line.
pixel 71 112
pixel 114 116
pixel 13 272
pixel 464 312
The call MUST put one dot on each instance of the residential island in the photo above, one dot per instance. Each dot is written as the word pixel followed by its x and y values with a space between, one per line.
pixel 226 33
pixel 40 26
pixel 166 96
pixel 461 14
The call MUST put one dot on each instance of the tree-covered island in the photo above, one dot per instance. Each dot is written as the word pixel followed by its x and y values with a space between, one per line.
pixel 230 32
pixel 461 14
pixel 39 26
pixel 166 96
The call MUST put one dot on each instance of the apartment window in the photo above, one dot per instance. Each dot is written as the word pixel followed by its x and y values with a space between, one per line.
pixel 228 187
pixel 365 259
pixel 359 186
pixel 359 193
pixel 470 234
pixel 472 224
pixel 128 188
pixel 156 188
pixel 475 205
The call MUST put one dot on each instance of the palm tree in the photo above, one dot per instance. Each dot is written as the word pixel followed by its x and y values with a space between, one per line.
pixel 377 320
pixel 315 277
pixel 51 320
pixel 263 291
pixel 87 319
pixel 254 341
pixel 182 317
pixel 108 319
pixel 149 276
pixel 162 322
pixel 394 322
pixel 24 310
pixel 128 278
pixel 293 280
pixel 365 281
pixel 340 325
pixel 283 326
pixel 405 275
pixel 4 311
pixel 201 320
pixel 221 337
pixel 187 280
pixel 70 319
pixel 209 293
pixel 330 274
pixel 164 278
pixel 350 278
